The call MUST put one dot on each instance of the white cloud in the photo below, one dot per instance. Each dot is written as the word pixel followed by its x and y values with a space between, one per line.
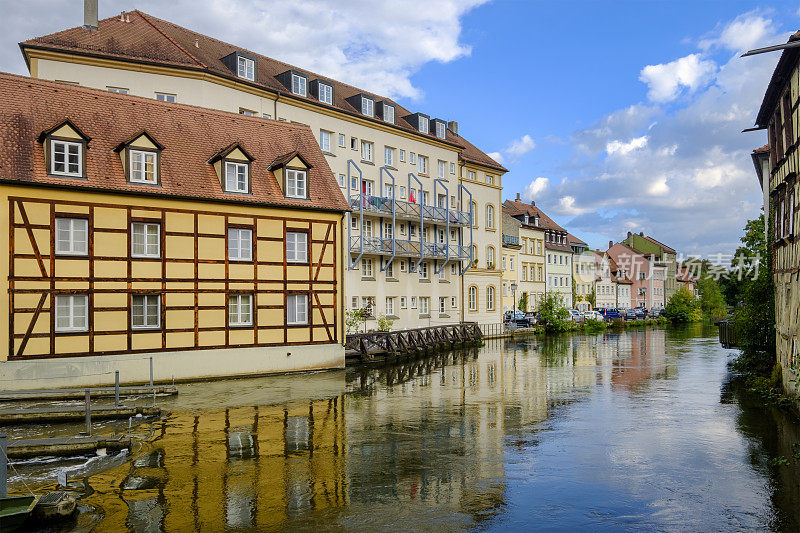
pixel 566 206
pixel 740 34
pixel 619 147
pixel 535 188
pixel 330 38
pixel 515 150
pixel 659 187
pixel 667 80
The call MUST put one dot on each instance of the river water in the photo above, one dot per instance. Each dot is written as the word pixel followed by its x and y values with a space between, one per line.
pixel 641 430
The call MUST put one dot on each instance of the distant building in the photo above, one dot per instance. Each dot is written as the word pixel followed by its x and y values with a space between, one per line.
pixel 605 285
pixel 663 254
pixel 583 273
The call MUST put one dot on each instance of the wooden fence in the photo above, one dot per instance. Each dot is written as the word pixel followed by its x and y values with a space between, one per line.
pixel 406 341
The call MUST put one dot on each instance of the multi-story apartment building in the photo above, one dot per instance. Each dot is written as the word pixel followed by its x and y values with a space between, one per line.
pixel 423 239
pixel 663 254
pixel 623 284
pixel 557 258
pixel 605 284
pixel 583 274
pixel 637 268
pixel 162 231
pixel 778 115
pixel 510 262
pixel 531 270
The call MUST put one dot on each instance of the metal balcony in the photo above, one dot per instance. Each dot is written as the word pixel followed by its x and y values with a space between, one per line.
pixel 381 206
pixel 510 240
pixel 408 248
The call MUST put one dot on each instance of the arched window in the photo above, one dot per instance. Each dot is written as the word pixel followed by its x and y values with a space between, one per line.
pixel 490 257
pixel 489 216
pixel 490 298
pixel 474 252
pixel 472 298
pixel 474 214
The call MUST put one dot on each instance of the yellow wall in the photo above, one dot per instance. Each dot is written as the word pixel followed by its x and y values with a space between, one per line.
pixel 109 278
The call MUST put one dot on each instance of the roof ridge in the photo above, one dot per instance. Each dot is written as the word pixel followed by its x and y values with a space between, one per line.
pixel 166 105
pixel 170 39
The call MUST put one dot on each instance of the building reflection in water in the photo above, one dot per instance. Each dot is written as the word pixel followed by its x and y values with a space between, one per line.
pixel 423 438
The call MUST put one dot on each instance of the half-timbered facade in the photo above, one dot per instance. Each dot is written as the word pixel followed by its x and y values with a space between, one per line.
pixel 137 229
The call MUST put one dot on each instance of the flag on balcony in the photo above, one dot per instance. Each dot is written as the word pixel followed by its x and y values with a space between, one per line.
pixel 411 196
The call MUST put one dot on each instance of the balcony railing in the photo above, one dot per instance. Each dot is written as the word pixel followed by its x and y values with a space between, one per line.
pixel 407 210
pixel 511 240
pixel 408 248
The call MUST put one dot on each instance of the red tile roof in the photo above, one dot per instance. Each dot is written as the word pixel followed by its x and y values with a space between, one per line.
pixel 143 38
pixel 764 148
pixel 190 136
pixel 518 209
pixel 574 240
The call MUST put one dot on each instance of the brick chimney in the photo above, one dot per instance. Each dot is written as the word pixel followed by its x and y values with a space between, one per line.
pixel 629 234
pixel 641 234
pixel 453 126
pixel 610 244
pixel 517 197
pixel 533 203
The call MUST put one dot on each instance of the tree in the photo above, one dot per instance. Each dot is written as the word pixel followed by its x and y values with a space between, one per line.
pixel 682 307
pixel 592 298
pixel 523 302
pixel 553 314
pixel 746 260
pixel 711 301
pixel 575 299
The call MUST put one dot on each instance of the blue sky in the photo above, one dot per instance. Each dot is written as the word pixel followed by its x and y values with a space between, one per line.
pixel 613 117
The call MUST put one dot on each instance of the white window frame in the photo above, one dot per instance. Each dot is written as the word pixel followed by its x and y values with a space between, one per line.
pixel 389 270
pixel 236 318
pixel 390 305
pixel 442 305
pixel 440 169
pixel 118 90
pixel 299 85
pixel 145 233
pixel 367 151
pixel 166 97
pixel 296 247
pixel 472 298
pixel 367 106
pixel 293 180
pixel 403 303
pixel 342 140
pixel 236 252
pixel 490 298
pixel 424 125
pixel 402 156
pixel 72 299
pixel 325 141
pixel 489 216
pixel 441 129
pixel 452 168
pixel 66 145
pixel 423 270
pixel 72 242
pixel 388 155
pixel 367 268
pixel 300 315
pixel 325 93
pixel 246 68
pixel 145 302
pixel 236 167
pixel 424 305
pixel 389 119
pixel 422 164
pixel 141 175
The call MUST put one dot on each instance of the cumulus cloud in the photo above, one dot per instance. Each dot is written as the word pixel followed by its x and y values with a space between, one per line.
pixel 515 150
pixel 535 188
pixel 619 147
pixel 686 177
pixel 330 38
pixel 667 80
pixel 740 34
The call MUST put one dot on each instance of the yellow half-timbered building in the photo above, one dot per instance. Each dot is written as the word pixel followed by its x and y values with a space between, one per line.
pixel 205 240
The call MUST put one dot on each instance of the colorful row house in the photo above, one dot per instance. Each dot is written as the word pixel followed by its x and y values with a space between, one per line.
pixel 139 230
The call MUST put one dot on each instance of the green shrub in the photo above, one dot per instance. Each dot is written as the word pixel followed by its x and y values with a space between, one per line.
pixel 553 315
pixel 594 326
pixel 682 307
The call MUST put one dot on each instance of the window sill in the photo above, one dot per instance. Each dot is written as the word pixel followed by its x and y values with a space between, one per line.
pixel 365 162
pixel 329 154
pixel 424 281
pixel 421 315
pixel 444 315
pixel 393 317
pixel 444 281
pixel 392 280
pixel 391 167
pixel 364 278
pixel 240 326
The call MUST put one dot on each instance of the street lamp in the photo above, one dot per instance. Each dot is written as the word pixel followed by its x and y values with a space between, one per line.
pixel 514 297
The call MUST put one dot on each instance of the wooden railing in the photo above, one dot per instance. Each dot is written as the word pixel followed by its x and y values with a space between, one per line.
pixel 367 345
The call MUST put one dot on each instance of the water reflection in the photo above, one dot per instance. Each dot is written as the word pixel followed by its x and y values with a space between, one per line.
pixel 608 431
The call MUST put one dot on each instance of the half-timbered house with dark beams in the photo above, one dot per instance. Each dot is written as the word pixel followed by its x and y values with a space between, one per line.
pixel 138 229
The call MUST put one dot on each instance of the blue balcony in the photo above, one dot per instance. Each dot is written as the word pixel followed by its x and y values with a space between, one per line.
pixel 409 248
pixel 377 205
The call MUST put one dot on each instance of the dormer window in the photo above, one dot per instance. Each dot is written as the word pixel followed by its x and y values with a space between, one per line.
pixel 367 106
pixel 66 158
pixel 246 68
pixel 441 130
pixel 299 85
pixel 144 166
pixel 296 183
pixel 423 124
pixel 325 93
pixel 237 177
pixel 527 218
pixel 388 113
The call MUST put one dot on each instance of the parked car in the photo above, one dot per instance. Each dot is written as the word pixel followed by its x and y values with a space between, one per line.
pixel 655 313
pixel 608 313
pixel 594 315
pixel 518 317
pixel 630 314
pixel 574 314
pixel 531 317
pixel 641 313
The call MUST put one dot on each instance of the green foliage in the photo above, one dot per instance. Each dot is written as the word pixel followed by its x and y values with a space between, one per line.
pixel 754 246
pixel 592 298
pixel 553 315
pixel 682 307
pixel 385 323
pixel 592 325
pixel 353 319
pixel 575 299
pixel 755 324
pixel 712 303
pixel 523 302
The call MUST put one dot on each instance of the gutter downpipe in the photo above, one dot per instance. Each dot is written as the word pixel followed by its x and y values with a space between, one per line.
pixel 471 241
pixel 394 192
pixel 352 266
pixel 411 176
pixel 438 181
